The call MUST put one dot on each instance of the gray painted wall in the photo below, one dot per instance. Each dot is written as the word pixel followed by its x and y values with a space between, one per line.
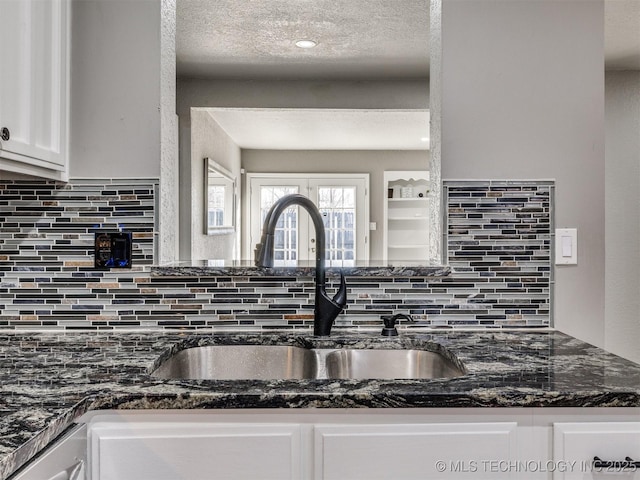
pixel 301 94
pixel 115 89
pixel 342 161
pixel 525 99
pixel 115 124
pixel 622 187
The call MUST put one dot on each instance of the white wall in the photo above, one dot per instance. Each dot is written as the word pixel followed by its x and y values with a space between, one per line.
pixel 115 88
pixel 523 97
pixel 209 140
pixel 622 187
pixel 342 161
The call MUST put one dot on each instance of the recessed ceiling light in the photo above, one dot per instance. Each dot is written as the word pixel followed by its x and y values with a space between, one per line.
pixel 424 139
pixel 306 43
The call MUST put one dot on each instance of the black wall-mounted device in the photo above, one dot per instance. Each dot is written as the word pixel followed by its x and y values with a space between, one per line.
pixel 113 250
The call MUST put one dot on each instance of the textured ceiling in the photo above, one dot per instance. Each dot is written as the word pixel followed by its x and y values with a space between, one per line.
pixel 356 38
pixel 255 38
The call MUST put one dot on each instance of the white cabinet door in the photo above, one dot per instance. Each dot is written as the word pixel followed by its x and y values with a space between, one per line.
pixel 34 85
pixel 194 451
pixel 411 451
pixel 576 444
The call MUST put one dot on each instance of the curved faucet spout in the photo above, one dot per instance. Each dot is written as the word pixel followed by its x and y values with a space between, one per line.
pixel 326 309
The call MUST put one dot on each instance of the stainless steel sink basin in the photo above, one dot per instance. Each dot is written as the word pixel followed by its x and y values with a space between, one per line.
pixel 239 362
pixel 389 364
pixel 272 362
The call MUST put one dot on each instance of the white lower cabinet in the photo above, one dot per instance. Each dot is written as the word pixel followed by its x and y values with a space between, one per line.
pixel 194 451
pixel 347 444
pixel 576 444
pixel 298 447
pixel 424 451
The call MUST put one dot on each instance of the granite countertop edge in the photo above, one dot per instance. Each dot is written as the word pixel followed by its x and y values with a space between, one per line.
pixel 405 271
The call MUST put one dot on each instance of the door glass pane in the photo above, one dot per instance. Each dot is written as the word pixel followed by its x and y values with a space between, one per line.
pixel 286 234
pixel 338 208
pixel 215 209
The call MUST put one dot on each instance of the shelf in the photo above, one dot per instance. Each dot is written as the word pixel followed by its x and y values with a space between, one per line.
pixel 412 199
pixel 421 217
pixel 406 219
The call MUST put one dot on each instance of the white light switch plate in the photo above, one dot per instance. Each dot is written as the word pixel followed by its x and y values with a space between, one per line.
pixel 566 246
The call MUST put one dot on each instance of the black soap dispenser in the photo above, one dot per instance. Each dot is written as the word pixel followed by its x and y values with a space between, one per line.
pixel 389 329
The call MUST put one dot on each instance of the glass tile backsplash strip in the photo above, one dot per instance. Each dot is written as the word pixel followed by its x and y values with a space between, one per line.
pixel 499 240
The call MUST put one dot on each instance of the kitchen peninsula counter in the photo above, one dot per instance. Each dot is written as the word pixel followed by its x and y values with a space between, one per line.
pixel 51 379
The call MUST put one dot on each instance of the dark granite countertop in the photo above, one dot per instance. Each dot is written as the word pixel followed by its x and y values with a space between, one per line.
pixel 50 379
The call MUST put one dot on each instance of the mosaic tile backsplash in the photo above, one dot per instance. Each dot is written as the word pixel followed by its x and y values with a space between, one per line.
pixel 499 248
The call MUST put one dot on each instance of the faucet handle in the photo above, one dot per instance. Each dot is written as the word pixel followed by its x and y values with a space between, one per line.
pixel 264 251
pixel 389 329
pixel 327 309
pixel 340 298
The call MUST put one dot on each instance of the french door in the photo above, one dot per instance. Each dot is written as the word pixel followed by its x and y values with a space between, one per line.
pixel 343 203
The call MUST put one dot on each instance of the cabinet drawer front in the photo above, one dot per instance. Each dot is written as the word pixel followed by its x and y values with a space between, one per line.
pixel 576 444
pixel 148 451
pixel 427 451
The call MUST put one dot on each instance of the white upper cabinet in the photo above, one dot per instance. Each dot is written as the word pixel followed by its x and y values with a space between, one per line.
pixel 34 79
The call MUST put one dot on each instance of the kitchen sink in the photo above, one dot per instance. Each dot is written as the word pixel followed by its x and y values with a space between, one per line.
pixel 273 362
pixel 239 362
pixel 389 364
